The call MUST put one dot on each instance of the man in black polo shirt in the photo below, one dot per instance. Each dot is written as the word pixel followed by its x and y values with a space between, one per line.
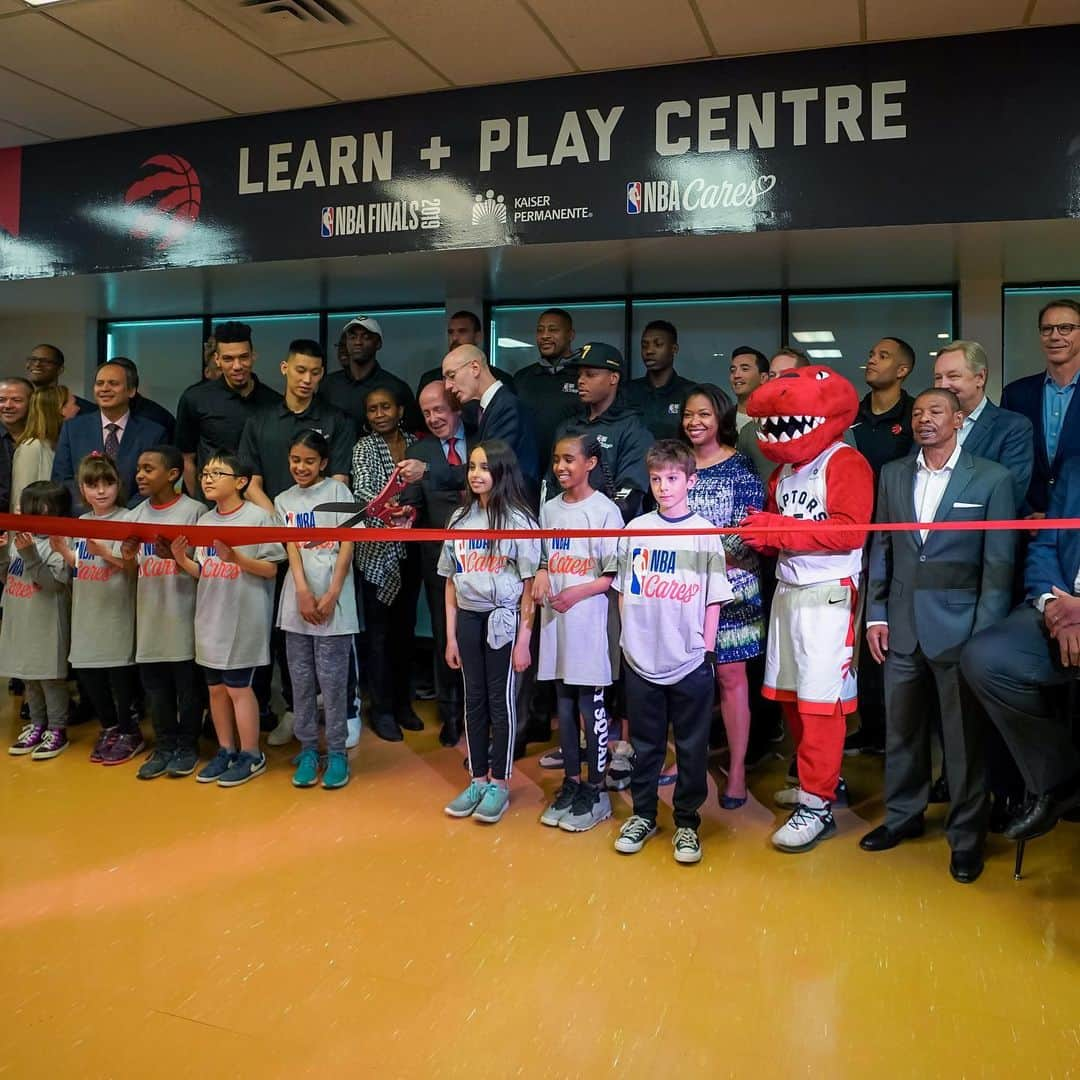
pixel 348 388
pixel 660 394
pixel 550 384
pixel 211 414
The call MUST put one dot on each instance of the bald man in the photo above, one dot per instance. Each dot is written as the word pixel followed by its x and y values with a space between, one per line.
pixel 468 377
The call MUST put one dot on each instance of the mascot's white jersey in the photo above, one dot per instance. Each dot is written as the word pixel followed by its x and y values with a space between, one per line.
pixel 803 493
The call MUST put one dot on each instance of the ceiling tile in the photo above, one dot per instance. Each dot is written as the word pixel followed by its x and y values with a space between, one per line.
pixel 13 135
pixel 56 115
pixel 44 50
pixel 932 18
pixel 219 65
pixel 484 41
pixel 371 70
pixel 1056 12
pixel 785 25
pixel 602 34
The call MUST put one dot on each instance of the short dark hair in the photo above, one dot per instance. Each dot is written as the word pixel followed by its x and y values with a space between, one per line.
pixel 1072 305
pixel 470 315
pixel 562 313
pixel 230 333
pixel 757 354
pixel 312 440
pixel 671 452
pixel 306 347
pixel 45 498
pixel 906 351
pixel 56 350
pixel 943 392
pixel 385 388
pixel 664 327
pixel 726 429
pixel 233 462
pixel 129 366
pixel 171 457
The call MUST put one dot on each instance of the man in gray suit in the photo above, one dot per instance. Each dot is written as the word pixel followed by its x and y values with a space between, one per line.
pixel 929 593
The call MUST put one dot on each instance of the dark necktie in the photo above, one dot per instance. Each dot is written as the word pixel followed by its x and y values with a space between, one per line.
pixel 112 441
pixel 452 456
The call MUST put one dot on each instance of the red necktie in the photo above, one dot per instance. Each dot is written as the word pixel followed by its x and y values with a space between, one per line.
pixel 452 456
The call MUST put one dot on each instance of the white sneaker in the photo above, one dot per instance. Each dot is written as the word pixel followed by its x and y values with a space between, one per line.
pixel 788 798
pixel 633 835
pixel 687 846
pixel 811 822
pixel 352 737
pixel 282 735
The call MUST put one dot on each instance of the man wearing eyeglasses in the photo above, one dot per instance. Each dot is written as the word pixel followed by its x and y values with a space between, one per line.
pixel 1049 400
pixel 44 366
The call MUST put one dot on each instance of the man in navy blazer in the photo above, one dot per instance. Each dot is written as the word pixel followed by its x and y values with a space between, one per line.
pixel 988 432
pixel 502 414
pixel 1049 400
pixel 82 435
pixel 1013 666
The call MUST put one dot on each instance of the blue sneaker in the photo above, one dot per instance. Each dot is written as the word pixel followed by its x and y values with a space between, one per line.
pixel 307 768
pixel 215 766
pixel 245 766
pixel 467 802
pixel 493 805
pixel 337 771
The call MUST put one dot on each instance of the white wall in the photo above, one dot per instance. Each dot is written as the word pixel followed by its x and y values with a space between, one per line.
pixel 76 335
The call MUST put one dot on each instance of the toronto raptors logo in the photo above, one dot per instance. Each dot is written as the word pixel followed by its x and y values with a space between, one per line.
pixel 170 199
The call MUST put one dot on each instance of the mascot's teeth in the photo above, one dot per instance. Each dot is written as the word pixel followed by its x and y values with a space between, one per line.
pixel 784 437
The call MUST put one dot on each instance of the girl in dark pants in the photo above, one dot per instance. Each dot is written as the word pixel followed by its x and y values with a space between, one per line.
pixel 488 624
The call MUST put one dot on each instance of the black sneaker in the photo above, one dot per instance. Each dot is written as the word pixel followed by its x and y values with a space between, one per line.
pixel 155 765
pixel 687 846
pixel 182 762
pixel 863 742
pixel 564 800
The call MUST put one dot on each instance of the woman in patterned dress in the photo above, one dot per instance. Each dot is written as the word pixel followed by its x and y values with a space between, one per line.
pixel 727 486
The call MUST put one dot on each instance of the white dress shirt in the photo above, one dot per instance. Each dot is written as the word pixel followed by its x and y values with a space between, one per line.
pixel 489 393
pixel 930 485
pixel 969 421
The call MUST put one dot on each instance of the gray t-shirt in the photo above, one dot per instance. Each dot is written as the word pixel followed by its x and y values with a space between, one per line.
pixel 102 606
pixel 666 583
pixel 573 645
pixel 35 632
pixel 296 508
pixel 233 609
pixel 488 574
pixel 164 595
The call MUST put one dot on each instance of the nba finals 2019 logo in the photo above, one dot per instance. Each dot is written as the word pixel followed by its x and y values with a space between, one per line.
pixel 168 200
pixel 654 575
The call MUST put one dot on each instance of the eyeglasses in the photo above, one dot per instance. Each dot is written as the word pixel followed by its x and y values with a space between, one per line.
pixel 1063 328
pixel 214 474
pixel 448 376
pixel 32 361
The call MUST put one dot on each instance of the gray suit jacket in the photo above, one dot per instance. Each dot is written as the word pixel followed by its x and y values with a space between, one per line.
pixel 936 595
pixel 1007 438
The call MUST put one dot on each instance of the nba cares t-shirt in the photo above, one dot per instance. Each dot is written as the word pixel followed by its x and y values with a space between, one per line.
pixel 666 583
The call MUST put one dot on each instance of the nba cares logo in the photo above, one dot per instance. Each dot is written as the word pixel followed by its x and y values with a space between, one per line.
pixel 170 199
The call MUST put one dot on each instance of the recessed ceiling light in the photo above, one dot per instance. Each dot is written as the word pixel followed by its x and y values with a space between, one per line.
pixel 808 337
pixel 513 343
pixel 41 3
pixel 943 337
pixel 824 354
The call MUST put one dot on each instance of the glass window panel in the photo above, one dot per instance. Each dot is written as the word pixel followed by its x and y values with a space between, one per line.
pixel 168 353
pixel 512 336
pixel 1023 355
pixel 414 339
pixel 709 329
pixel 270 336
pixel 857 321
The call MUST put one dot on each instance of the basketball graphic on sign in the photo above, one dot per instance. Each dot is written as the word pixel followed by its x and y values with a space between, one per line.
pixel 171 198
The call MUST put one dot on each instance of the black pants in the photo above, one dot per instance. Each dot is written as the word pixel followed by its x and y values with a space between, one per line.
pixel 765 716
pixel 264 676
pixel 175 692
pixel 687 707
pixel 111 692
pixel 391 632
pixel 1013 669
pixel 490 690
pixel 586 702
pixel 447 681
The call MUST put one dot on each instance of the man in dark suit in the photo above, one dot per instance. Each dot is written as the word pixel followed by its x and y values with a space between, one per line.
pixel 1014 667
pixel 502 415
pixel 113 430
pixel 144 406
pixel 436 474
pixel 929 592
pixel 1049 400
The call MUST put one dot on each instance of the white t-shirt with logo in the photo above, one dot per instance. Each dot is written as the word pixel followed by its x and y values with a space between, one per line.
pixel 102 606
pixel 666 583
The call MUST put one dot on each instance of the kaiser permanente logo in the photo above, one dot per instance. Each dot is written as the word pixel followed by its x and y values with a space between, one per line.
pixel 665 196
pixel 653 574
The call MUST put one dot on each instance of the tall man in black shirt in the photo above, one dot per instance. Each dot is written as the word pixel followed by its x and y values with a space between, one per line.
pixel 44 366
pixel 660 394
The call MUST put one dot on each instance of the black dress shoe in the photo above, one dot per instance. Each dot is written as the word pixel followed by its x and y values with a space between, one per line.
pixel 1002 813
pixel 410 721
pixel 1044 813
pixel 386 727
pixel 450 733
pixel 966 866
pixel 883 838
pixel 939 790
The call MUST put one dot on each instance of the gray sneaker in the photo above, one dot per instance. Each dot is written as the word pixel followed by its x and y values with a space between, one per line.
pixel 591 806
pixel 564 800
pixel 467 802
pixel 182 762
pixel 155 765
pixel 620 772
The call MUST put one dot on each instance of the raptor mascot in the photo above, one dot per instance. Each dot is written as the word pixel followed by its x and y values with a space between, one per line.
pixel 801 416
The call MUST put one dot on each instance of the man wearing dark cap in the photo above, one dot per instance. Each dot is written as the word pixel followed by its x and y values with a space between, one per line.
pixel 347 389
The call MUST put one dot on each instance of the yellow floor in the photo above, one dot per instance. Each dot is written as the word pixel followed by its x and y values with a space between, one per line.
pixel 170 929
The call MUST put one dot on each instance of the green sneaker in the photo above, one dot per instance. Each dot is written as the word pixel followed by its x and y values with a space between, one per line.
pixel 337 771
pixel 468 800
pixel 307 768
pixel 493 805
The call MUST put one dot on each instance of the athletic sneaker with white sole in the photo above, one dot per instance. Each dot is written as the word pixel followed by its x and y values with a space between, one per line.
pixel 811 822
pixel 591 806
pixel 465 804
pixel 686 845
pixel 282 735
pixel 245 766
pixel 634 834
pixel 493 805
pixel 621 768
pixel 560 807
pixel 790 797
